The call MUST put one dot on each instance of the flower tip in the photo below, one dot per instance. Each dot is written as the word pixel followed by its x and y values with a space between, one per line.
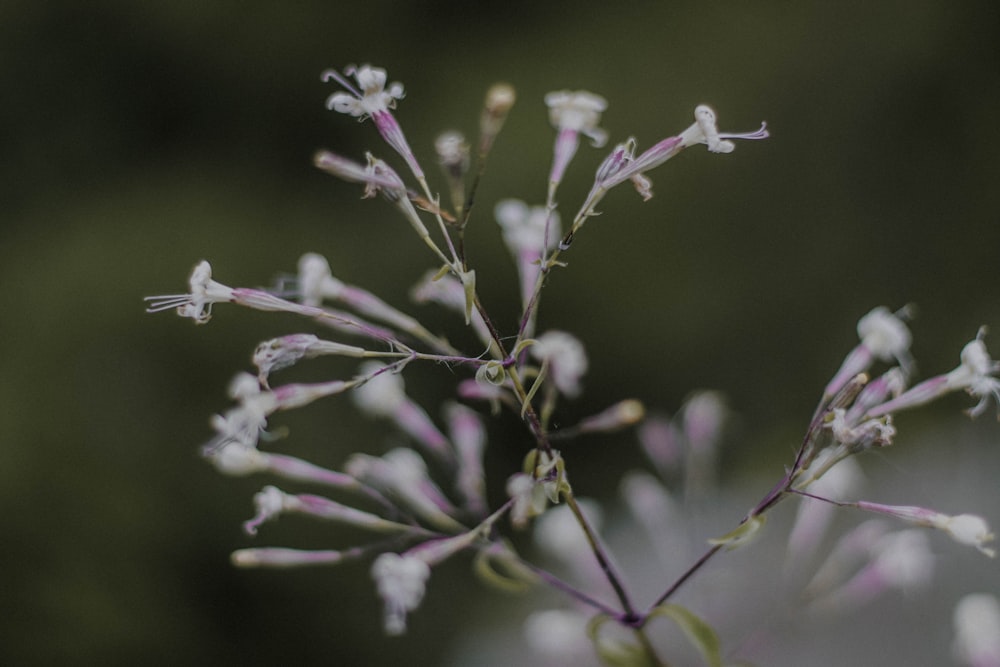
pixel 500 98
pixel 244 558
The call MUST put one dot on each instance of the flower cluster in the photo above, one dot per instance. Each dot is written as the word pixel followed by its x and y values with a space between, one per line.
pixel 427 498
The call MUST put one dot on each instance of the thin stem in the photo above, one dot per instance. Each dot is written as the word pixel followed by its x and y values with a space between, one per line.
pixel 570 590
pixel 456 261
pixel 770 499
pixel 602 559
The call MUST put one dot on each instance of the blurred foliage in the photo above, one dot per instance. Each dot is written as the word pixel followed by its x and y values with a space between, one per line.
pixel 139 138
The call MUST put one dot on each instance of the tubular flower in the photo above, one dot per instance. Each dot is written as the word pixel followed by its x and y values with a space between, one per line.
pixel 198 303
pixel 974 375
pixel 884 336
pixel 963 528
pixel 374 101
pixel 372 98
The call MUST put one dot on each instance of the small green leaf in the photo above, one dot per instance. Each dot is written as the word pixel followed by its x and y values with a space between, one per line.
pixel 615 652
pixel 743 534
pixel 469 283
pixel 698 631
pixel 502 569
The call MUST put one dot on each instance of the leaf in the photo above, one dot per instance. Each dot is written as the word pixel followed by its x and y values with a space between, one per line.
pixel 742 535
pixel 615 652
pixel 698 631
pixel 502 569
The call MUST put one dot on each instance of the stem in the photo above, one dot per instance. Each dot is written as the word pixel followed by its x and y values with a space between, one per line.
pixel 705 557
pixel 570 590
pixel 772 498
pixel 595 545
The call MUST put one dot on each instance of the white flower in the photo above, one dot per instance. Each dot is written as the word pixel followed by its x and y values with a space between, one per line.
pixel 528 496
pixel 270 502
pixel 977 630
pixel 578 111
pixel 400 581
pixel 373 96
pixel 402 474
pixel 277 353
pixel 813 517
pixel 968 529
pixel 198 304
pixel 872 432
pixel 963 528
pixel 566 357
pixel 885 335
pixel 524 227
pixel 975 374
pixel 558 533
pixel 233 458
pixel 315 280
pixel 705 414
pixel 705 131
pixel 382 395
pixel 452 152
pixel 244 423
pixel 904 559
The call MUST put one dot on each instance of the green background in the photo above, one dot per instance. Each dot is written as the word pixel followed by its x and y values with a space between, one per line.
pixel 140 137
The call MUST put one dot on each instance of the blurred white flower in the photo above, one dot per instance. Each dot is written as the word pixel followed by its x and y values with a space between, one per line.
pixel 566 357
pixel 400 581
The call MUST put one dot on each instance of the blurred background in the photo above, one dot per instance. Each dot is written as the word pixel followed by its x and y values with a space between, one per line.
pixel 139 138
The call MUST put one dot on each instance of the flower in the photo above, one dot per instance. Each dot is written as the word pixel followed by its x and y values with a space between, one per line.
pixel 528 498
pixel 468 434
pixel 968 529
pixel 402 474
pixel 572 113
pixel 528 231
pixel 578 111
pixel 372 99
pixel 903 559
pixel 566 358
pixel 524 227
pixel 623 165
pixel 705 131
pixel 963 528
pixel 705 414
pixel 977 630
pixel 244 423
pixel 270 502
pixel 453 153
pixel 884 336
pixel 558 535
pixel 383 394
pixel 400 581
pixel 449 292
pixel 376 175
pixel 198 303
pixel 975 374
pixel 284 351
pixel 861 435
